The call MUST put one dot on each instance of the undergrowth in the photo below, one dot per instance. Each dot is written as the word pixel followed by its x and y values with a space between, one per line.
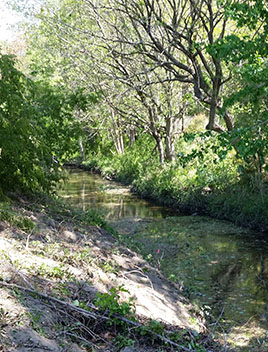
pixel 205 178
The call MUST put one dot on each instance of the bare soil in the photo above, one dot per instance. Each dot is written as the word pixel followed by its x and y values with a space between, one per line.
pixel 62 256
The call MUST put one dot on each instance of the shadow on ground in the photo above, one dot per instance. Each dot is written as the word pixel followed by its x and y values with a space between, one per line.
pixel 63 256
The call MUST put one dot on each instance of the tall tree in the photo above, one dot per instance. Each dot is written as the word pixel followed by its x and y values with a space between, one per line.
pixel 247 56
pixel 86 55
pixel 175 35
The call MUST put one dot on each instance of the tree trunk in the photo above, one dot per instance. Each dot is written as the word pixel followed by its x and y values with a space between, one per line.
pixel 228 121
pixel 119 143
pixel 81 149
pixel 170 138
pixel 117 135
pixel 132 133
pixel 160 148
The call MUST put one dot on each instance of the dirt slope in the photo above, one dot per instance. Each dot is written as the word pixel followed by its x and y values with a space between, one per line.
pixel 55 252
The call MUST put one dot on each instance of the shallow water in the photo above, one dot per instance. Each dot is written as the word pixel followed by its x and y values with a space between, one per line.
pixel 220 265
pixel 88 190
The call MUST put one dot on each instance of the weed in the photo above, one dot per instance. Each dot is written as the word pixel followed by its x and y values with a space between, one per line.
pixel 35 321
pixel 56 272
pixel 109 266
pixel 172 278
pixel 204 179
pixel 62 290
pixel 109 302
pixel 22 222
pixel 17 293
pixel 25 224
pixel 156 327
pixel 122 341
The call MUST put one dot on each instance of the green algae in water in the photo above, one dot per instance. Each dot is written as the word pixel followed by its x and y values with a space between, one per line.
pixel 218 264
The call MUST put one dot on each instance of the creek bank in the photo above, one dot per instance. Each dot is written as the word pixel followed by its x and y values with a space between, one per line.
pixel 233 204
pixel 217 263
pixel 216 266
pixel 71 255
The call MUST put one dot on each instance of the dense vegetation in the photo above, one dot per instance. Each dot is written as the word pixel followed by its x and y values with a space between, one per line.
pixel 36 124
pixel 169 96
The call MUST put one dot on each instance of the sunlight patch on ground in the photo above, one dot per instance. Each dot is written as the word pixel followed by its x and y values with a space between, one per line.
pixel 244 336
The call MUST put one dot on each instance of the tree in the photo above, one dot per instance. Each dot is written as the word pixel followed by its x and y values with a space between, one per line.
pixel 247 56
pixel 175 35
pixel 137 94
pixel 35 124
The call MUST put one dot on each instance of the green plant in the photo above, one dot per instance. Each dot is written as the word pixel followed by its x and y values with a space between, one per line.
pixel 57 271
pixel 25 224
pixel 35 321
pixel 109 266
pixel 122 341
pixel 13 218
pixel 36 122
pixel 156 327
pixel 110 303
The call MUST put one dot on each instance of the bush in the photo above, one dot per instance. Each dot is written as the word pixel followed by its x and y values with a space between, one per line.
pixel 205 179
pixel 35 124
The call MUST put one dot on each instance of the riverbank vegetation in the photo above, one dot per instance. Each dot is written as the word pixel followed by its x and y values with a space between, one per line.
pixel 67 284
pixel 201 182
pixel 170 97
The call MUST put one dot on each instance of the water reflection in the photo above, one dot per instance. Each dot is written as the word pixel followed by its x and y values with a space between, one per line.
pixel 88 190
pixel 220 264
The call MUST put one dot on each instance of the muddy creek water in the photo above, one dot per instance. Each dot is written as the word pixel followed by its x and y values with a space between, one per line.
pixel 218 264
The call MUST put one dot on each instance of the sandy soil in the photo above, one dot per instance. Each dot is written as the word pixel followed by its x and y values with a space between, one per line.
pixel 63 257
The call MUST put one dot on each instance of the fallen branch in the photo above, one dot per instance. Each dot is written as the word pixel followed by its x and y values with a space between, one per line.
pixel 78 338
pixel 93 315
pixel 84 312
pixel 217 322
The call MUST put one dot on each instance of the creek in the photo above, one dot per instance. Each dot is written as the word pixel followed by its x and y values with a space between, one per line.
pixel 220 265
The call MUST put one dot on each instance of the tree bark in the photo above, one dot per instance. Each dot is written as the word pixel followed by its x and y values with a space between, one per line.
pixel 160 148
pixel 81 149
pixel 117 135
pixel 132 133
pixel 170 139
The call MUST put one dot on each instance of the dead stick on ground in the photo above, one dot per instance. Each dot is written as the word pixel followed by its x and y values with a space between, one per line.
pixel 78 338
pixel 95 316
pixel 217 322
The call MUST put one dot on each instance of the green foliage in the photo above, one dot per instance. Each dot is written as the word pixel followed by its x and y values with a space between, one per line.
pixel 91 217
pixel 207 166
pixel 55 108
pixel 109 302
pixel 10 216
pixel 252 146
pixel 156 327
pixel 57 271
pixel 35 123
pixel 109 266
pixel 19 143
pixel 209 176
pixel 128 166
pixel 246 55
pixel 122 341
